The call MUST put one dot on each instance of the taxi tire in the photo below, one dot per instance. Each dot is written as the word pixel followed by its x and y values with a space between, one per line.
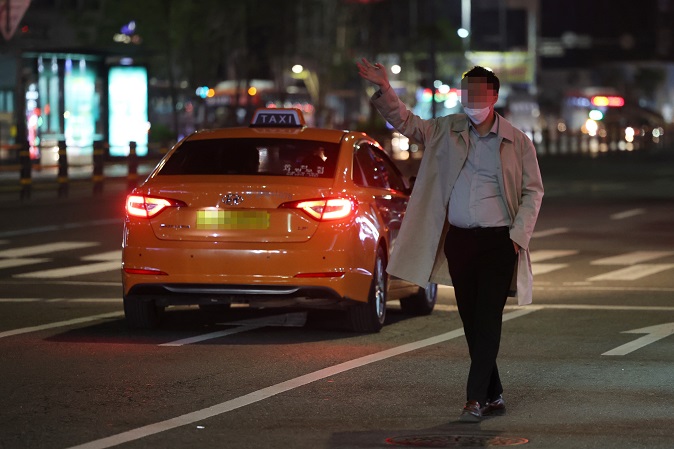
pixel 142 313
pixel 422 303
pixel 369 317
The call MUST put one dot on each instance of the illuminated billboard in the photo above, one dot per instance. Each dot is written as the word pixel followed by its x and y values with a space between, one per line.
pixel 128 103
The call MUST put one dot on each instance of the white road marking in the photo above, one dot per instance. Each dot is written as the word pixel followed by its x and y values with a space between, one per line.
pixel 212 335
pixel 17 262
pixel 633 272
pixel 543 254
pixel 84 224
pixel 654 333
pixel 542 268
pixel 265 393
pixel 85 319
pixel 627 214
pixel 632 258
pixel 297 319
pixel 107 256
pixel 75 300
pixel 57 273
pixel 549 232
pixel 28 251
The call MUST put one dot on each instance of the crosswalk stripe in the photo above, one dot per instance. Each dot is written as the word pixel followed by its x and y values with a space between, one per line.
pixel 541 255
pixel 632 258
pixel 11 263
pixel 108 256
pixel 542 268
pixel 28 251
pixel 627 214
pixel 549 232
pixel 72 271
pixel 633 272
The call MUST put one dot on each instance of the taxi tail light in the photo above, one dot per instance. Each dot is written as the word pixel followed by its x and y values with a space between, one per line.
pixel 149 206
pixel 325 209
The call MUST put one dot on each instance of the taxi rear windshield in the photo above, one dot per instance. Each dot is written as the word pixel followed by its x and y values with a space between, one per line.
pixel 265 157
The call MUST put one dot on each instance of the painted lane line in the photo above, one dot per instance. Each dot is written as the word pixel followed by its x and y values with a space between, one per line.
pixel 73 300
pixel 28 251
pixel 627 214
pixel 85 319
pixel 542 268
pixel 212 335
pixel 549 232
pixel 58 273
pixel 654 333
pixel 632 258
pixel 265 393
pixel 632 273
pixel 37 230
pixel 20 262
pixel 543 254
pixel 107 256
pixel 297 319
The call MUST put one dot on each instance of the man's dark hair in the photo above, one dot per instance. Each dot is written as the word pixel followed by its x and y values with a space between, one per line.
pixel 481 72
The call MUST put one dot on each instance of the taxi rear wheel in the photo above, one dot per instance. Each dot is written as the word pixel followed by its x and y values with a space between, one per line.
pixel 370 316
pixel 142 313
pixel 422 303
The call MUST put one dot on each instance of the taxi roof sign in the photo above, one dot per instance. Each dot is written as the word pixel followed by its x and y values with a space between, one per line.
pixel 278 118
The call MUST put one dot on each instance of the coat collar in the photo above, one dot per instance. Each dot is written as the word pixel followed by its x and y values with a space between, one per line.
pixel 460 125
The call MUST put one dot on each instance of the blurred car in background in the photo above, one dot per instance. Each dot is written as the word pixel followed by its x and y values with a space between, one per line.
pixel 276 214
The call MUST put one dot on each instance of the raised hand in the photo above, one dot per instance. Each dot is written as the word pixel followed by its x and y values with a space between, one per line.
pixel 374 73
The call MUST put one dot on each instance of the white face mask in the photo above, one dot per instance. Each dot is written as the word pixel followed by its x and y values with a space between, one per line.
pixel 477 115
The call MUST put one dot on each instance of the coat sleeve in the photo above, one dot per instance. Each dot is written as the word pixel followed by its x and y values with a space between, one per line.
pixel 531 195
pixel 400 117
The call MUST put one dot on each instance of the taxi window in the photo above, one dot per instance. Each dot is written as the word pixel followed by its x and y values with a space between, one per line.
pixel 265 157
pixel 377 170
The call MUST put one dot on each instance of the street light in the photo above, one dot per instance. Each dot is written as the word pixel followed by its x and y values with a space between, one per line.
pixel 310 80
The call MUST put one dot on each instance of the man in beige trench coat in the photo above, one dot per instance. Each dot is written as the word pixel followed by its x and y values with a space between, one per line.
pixel 470 217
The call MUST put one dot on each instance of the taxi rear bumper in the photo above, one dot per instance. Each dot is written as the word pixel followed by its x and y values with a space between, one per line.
pixel 314 297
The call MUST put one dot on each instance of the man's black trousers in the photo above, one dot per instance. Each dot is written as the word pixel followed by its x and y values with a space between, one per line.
pixel 481 263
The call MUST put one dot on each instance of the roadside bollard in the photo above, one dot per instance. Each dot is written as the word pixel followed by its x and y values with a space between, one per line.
pixel 62 178
pixel 132 175
pixel 99 160
pixel 26 171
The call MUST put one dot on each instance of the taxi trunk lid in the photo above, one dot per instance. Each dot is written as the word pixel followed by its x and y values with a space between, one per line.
pixel 224 210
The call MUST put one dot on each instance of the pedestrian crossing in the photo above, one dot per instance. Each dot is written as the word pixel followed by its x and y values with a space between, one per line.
pixel 82 258
pixel 88 264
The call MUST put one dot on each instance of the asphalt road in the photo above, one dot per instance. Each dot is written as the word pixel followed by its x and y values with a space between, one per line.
pixel 589 365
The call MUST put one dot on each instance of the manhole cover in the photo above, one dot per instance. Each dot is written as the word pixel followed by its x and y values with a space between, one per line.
pixel 455 441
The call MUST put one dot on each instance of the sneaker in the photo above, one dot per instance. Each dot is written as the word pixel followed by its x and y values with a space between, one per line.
pixel 495 407
pixel 471 412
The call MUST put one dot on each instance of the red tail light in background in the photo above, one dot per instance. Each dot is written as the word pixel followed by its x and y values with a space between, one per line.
pixel 324 209
pixel 147 206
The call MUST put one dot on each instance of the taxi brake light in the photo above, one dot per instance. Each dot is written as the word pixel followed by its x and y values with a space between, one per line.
pixel 148 206
pixel 324 209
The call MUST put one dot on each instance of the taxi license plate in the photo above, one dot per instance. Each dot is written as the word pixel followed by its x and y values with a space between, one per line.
pixel 239 219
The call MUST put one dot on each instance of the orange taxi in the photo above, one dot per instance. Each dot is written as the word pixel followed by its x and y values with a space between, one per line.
pixel 276 214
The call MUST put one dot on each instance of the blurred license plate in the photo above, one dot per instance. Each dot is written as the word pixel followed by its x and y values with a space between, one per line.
pixel 238 219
